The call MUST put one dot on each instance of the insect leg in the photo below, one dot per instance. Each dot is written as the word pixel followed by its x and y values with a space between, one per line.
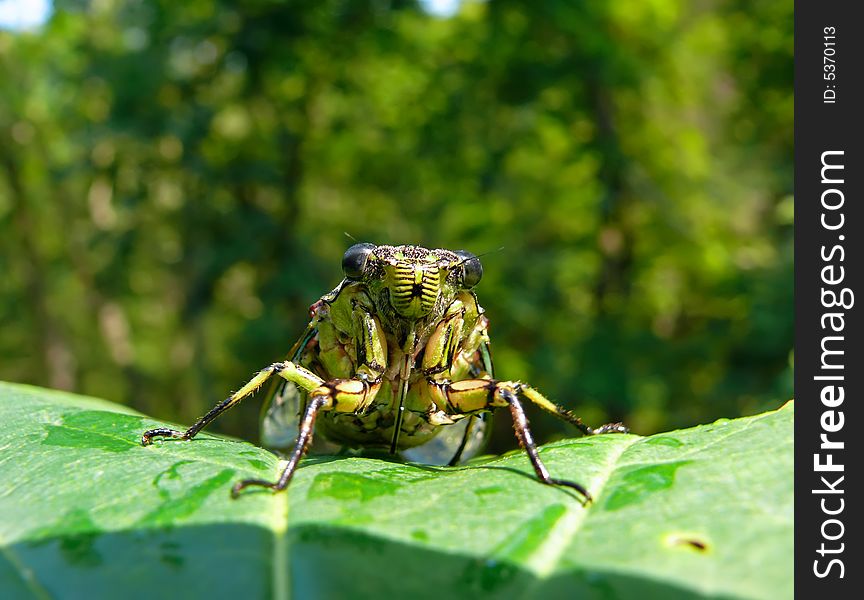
pixel 450 353
pixel 564 414
pixel 304 439
pixel 482 369
pixel 465 437
pixel 302 377
pixel 526 440
pixel 471 396
pixel 339 395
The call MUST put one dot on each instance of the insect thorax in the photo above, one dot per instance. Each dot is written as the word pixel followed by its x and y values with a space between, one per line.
pixel 336 356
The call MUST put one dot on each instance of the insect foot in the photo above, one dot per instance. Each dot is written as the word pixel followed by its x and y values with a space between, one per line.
pixel 147 437
pixel 610 428
pixel 526 440
pixel 240 485
pixel 316 403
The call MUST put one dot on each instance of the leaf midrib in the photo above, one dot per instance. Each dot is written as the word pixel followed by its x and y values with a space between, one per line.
pixel 546 560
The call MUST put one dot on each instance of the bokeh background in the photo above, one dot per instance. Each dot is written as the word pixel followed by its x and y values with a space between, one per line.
pixel 176 178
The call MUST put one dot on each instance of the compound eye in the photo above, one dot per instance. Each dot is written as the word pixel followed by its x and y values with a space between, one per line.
pixel 354 260
pixel 473 268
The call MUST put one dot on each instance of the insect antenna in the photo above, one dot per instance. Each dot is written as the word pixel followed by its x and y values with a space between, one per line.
pixel 488 252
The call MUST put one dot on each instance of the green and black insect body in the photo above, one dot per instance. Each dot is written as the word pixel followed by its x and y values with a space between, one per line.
pixel 396 357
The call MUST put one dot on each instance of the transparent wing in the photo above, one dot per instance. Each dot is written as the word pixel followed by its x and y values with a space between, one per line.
pixel 280 421
pixel 280 414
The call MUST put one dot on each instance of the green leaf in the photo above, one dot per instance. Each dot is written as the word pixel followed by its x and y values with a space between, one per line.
pixel 85 511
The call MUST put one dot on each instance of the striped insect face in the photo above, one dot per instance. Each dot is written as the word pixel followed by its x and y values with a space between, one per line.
pixel 414 287
pixel 412 280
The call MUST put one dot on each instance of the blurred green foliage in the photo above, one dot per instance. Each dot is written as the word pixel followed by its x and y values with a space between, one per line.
pixel 176 178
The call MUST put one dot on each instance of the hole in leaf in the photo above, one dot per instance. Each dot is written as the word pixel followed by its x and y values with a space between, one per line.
pixel 687 540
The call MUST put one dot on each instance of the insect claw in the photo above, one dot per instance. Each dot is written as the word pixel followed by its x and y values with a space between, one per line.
pixel 240 485
pixel 235 490
pixel 147 437
pixel 572 484
pixel 612 428
pixel 440 418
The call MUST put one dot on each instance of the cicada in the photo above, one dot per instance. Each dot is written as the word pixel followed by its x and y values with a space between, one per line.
pixel 396 357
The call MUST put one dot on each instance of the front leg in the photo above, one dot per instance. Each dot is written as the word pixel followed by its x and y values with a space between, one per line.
pixel 304 378
pixel 340 395
pixel 476 395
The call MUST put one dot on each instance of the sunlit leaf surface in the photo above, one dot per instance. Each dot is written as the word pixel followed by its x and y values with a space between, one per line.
pixel 86 512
